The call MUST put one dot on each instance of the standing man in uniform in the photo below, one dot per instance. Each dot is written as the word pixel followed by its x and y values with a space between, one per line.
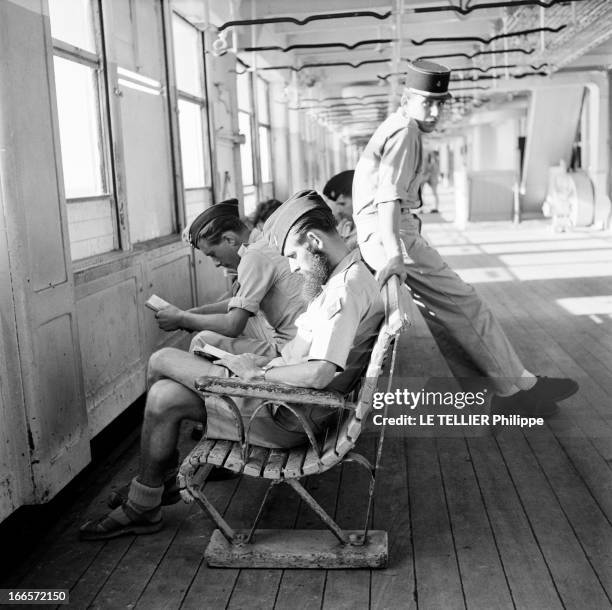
pixel 334 338
pixel 385 191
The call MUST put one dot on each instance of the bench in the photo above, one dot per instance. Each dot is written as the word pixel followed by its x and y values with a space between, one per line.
pixel 335 548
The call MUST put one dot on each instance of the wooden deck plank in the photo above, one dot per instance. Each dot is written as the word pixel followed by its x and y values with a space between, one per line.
pixel 62 560
pixel 574 576
pixel 419 359
pixel 125 586
pixel 437 572
pixel 592 528
pixel 350 589
pixel 304 589
pixel 258 588
pixel 99 571
pixel 174 574
pixel 573 358
pixel 395 586
pixel 214 586
pixel 595 472
pixel 496 306
pixel 530 582
pixel 587 431
pixel 475 543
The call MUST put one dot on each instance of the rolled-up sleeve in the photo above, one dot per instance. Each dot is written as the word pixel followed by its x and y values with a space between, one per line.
pixel 337 325
pixel 398 165
pixel 255 277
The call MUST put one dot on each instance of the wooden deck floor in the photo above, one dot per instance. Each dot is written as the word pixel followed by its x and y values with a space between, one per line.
pixel 522 519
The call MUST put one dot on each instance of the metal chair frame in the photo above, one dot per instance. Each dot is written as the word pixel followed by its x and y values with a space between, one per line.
pixel 241 456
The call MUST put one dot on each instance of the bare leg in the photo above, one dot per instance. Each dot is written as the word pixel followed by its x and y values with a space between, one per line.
pixel 168 403
pixel 180 366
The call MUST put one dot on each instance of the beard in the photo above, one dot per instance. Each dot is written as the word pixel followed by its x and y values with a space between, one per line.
pixel 316 277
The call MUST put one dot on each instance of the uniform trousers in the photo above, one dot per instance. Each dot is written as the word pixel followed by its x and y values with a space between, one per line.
pixel 451 304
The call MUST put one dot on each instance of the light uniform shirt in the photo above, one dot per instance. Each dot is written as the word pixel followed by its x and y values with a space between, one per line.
pixel 390 168
pixel 265 283
pixel 340 324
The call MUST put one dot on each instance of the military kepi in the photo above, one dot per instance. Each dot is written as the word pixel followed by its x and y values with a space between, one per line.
pixel 229 207
pixel 428 78
pixel 277 227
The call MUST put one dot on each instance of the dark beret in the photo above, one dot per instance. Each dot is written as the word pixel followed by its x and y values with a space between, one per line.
pixel 229 207
pixel 428 78
pixel 278 225
pixel 340 184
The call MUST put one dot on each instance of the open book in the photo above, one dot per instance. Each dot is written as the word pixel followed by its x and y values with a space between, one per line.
pixel 211 352
pixel 156 303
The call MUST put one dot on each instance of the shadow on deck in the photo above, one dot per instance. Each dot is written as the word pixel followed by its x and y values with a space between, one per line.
pixel 520 519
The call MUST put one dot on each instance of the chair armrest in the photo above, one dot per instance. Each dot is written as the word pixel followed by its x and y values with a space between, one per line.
pixel 280 392
pixel 396 310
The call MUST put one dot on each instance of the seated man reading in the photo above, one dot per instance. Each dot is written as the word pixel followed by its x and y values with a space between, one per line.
pixel 333 340
pixel 264 285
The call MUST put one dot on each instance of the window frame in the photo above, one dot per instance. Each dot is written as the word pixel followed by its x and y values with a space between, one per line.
pixel 258 185
pixel 97 62
pixel 202 102
pixel 268 127
pixel 243 70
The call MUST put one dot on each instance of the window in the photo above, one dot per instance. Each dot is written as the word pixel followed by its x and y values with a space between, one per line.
pixel 192 108
pixel 265 135
pixel 245 125
pixel 81 137
pixel 141 105
pixel 83 130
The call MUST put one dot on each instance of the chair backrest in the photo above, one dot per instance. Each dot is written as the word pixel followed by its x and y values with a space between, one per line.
pixel 396 318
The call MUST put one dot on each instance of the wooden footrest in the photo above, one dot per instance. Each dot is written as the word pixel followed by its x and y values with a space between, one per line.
pixel 297 549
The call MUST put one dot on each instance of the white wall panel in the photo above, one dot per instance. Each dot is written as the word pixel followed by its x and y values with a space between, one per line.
pixel 109 330
pixel 47 352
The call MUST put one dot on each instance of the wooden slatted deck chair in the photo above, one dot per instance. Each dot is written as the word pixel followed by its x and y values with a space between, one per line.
pixel 297 548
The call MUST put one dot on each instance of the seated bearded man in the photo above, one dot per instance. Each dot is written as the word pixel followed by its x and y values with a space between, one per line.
pixel 331 347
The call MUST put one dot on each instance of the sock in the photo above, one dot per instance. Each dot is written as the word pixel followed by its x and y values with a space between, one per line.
pixel 143 498
pixel 503 387
pixel 527 380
